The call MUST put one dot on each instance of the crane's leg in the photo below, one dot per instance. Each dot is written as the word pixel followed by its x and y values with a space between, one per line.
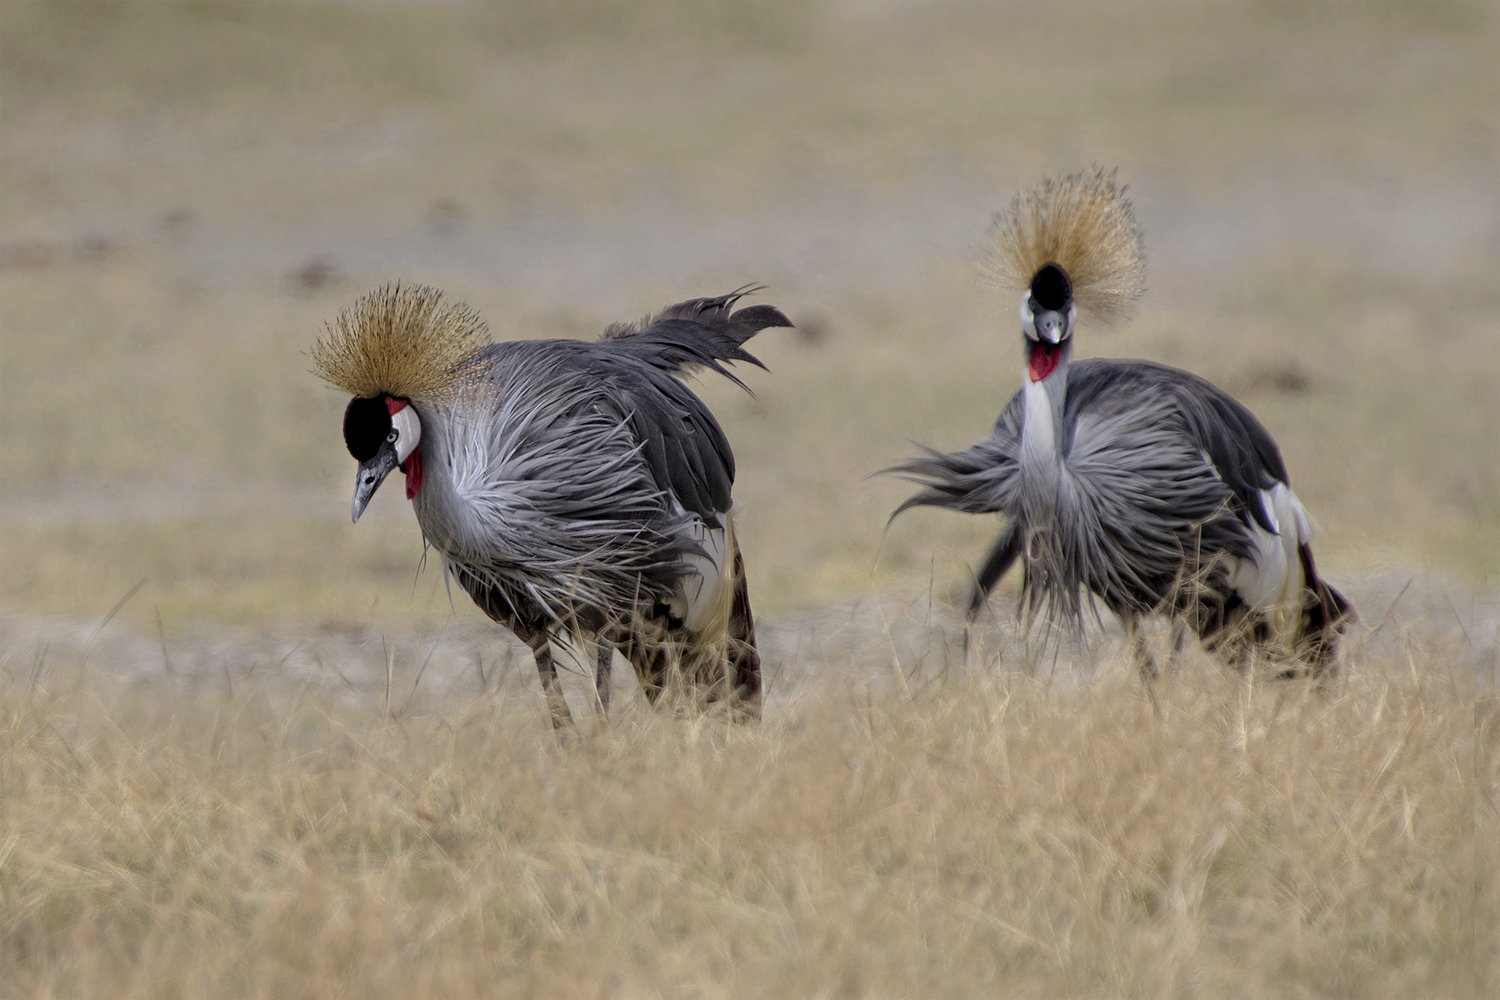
pixel 651 660
pixel 1001 557
pixel 1145 663
pixel 1179 633
pixel 1223 625
pixel 604 658
pixel 541 650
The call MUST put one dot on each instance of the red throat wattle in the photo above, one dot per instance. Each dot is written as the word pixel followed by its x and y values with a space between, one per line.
pixel 413 470
pixel 1043 360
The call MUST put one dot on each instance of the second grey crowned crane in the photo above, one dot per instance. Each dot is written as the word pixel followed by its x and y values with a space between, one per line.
pixel 571 487
pixel 1142 485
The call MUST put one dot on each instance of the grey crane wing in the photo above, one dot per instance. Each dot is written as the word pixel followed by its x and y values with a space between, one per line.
pixel 1240 449
pixel 683 446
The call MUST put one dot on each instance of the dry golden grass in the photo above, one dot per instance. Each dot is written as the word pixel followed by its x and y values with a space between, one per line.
pixel 979 837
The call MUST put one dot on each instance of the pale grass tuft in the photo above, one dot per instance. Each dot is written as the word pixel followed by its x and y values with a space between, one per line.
pixel 982 837
pixel 401 340
pixel 1083 223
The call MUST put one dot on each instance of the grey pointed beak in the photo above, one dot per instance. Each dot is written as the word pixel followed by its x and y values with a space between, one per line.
pixel 369 477
pixel 1051 326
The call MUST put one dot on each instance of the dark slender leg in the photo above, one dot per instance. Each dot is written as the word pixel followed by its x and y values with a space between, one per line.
pixel 1226 628
pixel 604 653
pixel 1145 663
pixel 651 662
pixel 1179 632
pixel 1000 558
pixel 541 649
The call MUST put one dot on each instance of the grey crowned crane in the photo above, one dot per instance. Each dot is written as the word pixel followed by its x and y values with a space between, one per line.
pixel 573 489
pixel 1140 484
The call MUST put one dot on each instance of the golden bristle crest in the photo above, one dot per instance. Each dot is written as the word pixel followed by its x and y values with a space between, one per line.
pixel 404 340
pixel 1083 223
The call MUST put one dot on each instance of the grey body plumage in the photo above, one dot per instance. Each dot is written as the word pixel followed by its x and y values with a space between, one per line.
pixel 581 488
pixel 1142 485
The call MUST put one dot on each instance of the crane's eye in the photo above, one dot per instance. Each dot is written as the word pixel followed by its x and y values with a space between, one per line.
pixel 393 435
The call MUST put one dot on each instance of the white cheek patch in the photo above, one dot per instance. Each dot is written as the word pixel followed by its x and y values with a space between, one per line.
pixel 1028 318
pixel 408 428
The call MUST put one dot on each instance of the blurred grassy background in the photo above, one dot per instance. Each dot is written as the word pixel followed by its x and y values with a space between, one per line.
pixel 189 190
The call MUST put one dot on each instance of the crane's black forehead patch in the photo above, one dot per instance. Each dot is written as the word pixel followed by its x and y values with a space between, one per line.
pixel 1051 288
pixel 367 421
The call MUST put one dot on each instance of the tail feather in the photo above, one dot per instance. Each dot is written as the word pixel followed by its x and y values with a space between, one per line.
pixel 698 333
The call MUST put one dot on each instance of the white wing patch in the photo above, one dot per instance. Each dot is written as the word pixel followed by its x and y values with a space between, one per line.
pixel 704 592
pixel 1271 581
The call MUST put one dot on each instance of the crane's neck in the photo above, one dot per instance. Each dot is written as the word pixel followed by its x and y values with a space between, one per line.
pixel 452 506
pixel 1044 434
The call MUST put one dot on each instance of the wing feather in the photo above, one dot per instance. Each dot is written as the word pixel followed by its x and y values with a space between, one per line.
pixel 1240 449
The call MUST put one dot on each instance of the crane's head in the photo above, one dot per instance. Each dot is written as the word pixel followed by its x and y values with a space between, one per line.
pixel 382 433
pixel 1047 315
pixel 1069 245
pixel 397 350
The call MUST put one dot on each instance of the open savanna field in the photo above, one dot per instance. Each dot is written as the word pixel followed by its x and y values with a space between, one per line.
pixel 250 749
